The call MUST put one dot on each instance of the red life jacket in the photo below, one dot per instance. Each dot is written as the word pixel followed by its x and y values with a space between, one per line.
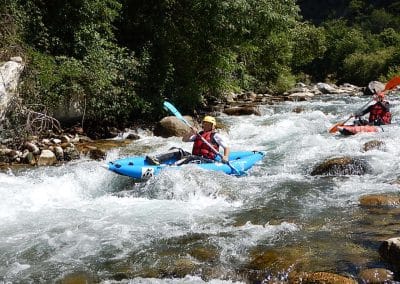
pixel 201 149
pixel 379 115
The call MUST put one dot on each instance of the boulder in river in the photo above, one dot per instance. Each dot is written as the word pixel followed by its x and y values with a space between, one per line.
pixel 342 166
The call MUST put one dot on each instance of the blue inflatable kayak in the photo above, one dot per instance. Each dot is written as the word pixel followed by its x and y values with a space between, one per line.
pixel 139 168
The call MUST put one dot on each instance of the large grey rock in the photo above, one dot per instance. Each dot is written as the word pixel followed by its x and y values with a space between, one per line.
pixel 9 77
pixel 342 166
pixel 46 158
pixel 326 88
pixel 171 126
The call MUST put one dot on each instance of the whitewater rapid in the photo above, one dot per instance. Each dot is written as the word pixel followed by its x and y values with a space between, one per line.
pixel 77 217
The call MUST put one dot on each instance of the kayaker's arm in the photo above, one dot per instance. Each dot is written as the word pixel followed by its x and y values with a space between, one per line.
pixel 227 150
pixel 224 143
pixel 190 136
pixel 362 112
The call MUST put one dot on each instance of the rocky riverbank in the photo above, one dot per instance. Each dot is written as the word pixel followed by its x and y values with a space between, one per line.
pixel 36 151
pixel 71 145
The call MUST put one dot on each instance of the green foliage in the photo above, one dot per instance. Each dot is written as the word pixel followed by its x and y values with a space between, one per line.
pixel 69 28
pixel 200 49
pixel 393 65
pixel 379 20
pixel 362 68
pixel 117 60
pixel 101 86
pixel 10 42
pixel 270 64
pixel 389 37
pixel 309 43
pixel 110 96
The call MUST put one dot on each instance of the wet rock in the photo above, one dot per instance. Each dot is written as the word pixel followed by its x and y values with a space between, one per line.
pixel 97 154
pixel 83 139
pixel 119 276
pixel 71 153
pixel 245 110
pixel 205 254
pixel 247 96
pixel 379 200
pixel 376 276
pixel 65 139
pixel 4 157
pixel 79 278
pixel 298 109
pixel 230 97
pixel 326 88
pixel 132 136
pixel 319 278
pixel 375 144
pixel 55 141
pixel 46 141
pixel 28 158
pixel 32 148
pixel 46 158
pixel 59 152
pixel 342 166
pixel 389 250
pixel 271 262
pixel 180 268
pixel 14 155
pixel 172 126
pixel 298 97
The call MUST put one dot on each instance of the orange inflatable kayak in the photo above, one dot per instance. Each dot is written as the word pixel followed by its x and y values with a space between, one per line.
pixel 354 129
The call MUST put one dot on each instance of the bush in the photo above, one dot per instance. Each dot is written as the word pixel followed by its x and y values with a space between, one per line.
pixel 309 43
pixel 361 68
pixel 101 86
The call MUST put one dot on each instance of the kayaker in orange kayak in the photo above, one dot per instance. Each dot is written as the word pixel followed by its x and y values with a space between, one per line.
pixel 379 113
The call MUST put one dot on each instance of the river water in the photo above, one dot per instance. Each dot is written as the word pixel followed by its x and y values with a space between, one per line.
pixel 194 226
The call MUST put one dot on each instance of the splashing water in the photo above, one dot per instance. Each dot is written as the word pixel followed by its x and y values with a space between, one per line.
pixel 195 226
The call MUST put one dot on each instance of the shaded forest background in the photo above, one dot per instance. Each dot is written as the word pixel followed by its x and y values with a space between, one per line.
pixel 117 60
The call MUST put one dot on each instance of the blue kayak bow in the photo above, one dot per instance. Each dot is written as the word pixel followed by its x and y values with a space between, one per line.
pixel 171 108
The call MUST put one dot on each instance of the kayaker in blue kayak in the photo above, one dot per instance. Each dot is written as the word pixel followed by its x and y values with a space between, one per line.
pixel 379 113
pixel 201 152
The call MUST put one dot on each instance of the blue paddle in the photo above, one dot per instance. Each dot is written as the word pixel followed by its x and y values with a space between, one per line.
pixel 171 108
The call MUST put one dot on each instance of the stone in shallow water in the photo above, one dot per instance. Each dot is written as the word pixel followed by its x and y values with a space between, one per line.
pixel 376 275
pixel 46 158
pixel 342 166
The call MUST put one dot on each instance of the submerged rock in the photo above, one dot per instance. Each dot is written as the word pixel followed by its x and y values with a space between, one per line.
pixel 374 144
pixel 244 110
pixel 342 166
pixel 379 200
pixel 319 278
pixel 390 251
pixel 376 275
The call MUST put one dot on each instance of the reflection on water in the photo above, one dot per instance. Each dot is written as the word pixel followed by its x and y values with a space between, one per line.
pixel 77 221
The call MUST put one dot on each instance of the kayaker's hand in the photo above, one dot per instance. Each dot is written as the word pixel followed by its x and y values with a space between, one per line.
pixel 224 160
pixel 194 130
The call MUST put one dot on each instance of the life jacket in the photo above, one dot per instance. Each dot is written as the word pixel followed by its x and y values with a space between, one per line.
pixel 202 149
pixel 379 115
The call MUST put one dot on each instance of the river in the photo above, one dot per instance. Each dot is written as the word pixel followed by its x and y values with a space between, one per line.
pixel 194 226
